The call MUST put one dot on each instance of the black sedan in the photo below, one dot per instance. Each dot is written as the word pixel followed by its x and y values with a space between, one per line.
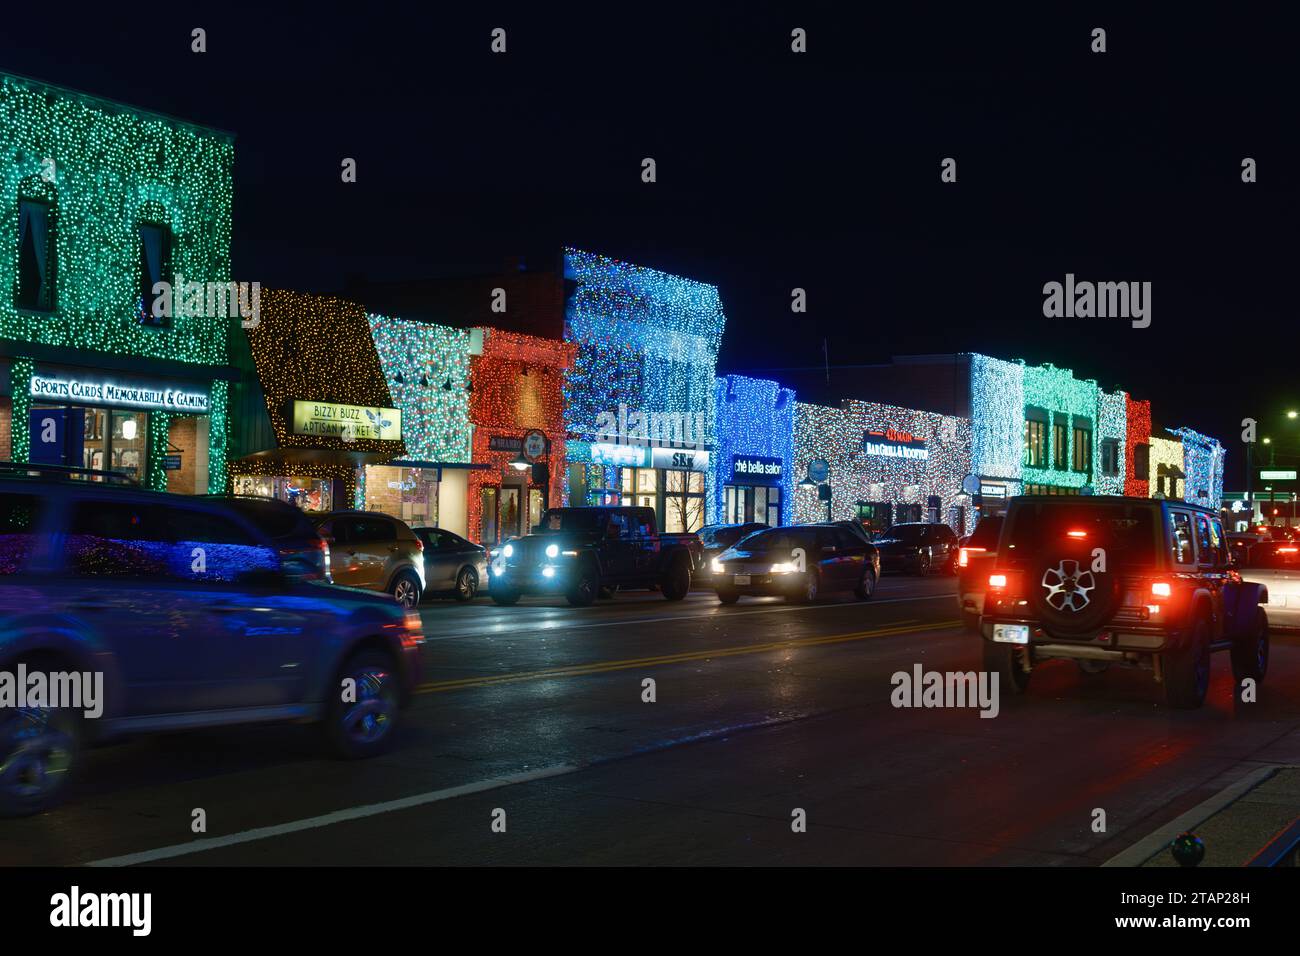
pixel 453 567
pixel 797 563
pixel 918 548
pixel 717 538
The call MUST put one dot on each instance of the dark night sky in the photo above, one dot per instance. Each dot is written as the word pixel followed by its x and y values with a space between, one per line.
pixel 775 171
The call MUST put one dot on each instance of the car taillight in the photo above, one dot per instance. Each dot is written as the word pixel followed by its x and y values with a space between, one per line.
pixel 419 544
pixel 1161 589
pixel 998 581
pixel 1287 550
pixel 963 556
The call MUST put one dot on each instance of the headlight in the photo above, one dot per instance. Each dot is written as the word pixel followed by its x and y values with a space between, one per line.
pixel 508 550
pixel 717 567
pixel 548 572
pixel 785 567
pixel 552 550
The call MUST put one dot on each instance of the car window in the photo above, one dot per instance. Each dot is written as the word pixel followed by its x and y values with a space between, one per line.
pixel 1127 531
pixel 826 538
pixel 118 539
pixel 619 520
pixel 210 546
pixel 18 524
pixel 1180 526
pixel 846 540
pixel 367 530
pixel 986 533
pixel 1206 548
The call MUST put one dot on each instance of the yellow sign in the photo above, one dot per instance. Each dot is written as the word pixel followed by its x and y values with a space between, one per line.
pixel 348 422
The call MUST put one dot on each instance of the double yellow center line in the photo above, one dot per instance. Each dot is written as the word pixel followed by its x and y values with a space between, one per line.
pixel 601 667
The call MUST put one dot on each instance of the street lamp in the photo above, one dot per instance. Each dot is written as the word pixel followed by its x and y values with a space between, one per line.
pixel 520 463
pixel 807 484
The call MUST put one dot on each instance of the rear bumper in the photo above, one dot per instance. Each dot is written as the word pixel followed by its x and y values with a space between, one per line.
pixel 1120 638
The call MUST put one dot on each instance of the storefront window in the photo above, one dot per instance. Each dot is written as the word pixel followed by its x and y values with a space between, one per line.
pixel 744 503
pixel 407 493
pixel 309 494
pixel 127 449
pixel 683 501
pixel 640 487
pixel 536 505
pixel 509 517
pixel 488 518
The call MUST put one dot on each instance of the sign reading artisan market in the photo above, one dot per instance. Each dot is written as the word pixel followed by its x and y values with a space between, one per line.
pixel 893 443
pixel 352 422
pixel 84 391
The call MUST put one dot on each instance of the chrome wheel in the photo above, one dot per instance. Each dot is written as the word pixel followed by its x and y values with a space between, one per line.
pixel 406 592
pixel 369 719
pixel 466 584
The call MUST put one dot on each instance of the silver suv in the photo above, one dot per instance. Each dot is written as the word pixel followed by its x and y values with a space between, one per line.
pixel 182 612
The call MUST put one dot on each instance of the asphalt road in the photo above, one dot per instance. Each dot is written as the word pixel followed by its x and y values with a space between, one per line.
pixel 532 721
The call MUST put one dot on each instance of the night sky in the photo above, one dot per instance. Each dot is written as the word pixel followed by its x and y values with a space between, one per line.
pixel 775 170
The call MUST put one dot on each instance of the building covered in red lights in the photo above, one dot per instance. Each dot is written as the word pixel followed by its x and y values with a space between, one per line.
pixel 516 412
pixel 1137 448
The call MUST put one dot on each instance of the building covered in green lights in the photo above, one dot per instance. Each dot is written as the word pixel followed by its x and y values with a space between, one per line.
pixel 100 204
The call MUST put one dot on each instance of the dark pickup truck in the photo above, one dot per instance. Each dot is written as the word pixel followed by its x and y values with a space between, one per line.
pixel 578 552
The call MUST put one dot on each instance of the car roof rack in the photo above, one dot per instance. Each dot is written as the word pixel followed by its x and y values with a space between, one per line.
pixel 18 469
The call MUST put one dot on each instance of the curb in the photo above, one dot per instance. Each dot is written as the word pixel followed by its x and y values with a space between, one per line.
pixel 1151 844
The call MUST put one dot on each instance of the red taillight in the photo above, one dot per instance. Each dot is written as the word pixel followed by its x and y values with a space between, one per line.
pixel 1077 534
pixel 963 556
pixel 1161 589
pixel 997 580
pixel 419 543
pixel 1287 550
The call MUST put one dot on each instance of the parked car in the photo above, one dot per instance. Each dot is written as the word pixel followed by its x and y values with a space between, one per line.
pixel 578 551
pixel 186 609
pixel 717 538
pixel 453 567
pixel 918 548
pixel 369 549
pixel 799 563
pixel 303 552
pixel 978 552
pixel 1277 567
pixel 1129 581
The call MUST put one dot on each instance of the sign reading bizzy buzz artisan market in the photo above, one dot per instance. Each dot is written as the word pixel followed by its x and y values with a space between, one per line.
pixel 893 443
pixel 91 391
pixel 332 420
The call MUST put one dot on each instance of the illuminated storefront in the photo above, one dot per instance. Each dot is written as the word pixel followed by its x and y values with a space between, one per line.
pixel 319 409
pixel 640 403
pixel 881 465
pixel 754 460
pixel 101 201
pixel 517 413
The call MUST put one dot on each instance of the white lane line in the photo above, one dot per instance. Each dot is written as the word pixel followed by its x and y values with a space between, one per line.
pixel 338 816
pixel 514 629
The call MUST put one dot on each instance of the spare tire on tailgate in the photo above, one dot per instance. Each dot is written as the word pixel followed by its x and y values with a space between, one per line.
pixel 1068 596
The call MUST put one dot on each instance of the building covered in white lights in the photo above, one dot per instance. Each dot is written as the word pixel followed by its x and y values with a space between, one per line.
pixel 881 465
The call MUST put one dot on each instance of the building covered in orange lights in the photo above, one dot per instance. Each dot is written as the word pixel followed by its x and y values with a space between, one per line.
pixel 516 412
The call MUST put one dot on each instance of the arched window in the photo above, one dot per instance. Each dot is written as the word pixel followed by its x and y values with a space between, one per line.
pixel 155 237
pixel 35 278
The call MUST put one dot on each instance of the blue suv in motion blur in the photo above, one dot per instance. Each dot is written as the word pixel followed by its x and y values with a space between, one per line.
pixel 192 616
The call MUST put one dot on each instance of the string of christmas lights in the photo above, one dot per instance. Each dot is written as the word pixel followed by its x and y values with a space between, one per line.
pixel 1063 397
pixel 1166 452
pixel 518 386
pixel 1112 425
pixel 1137 484
pixel 108 164
pixel 755 417
pixel 998 416
pixel 427 367
pixel 1203 462
pixel 838 434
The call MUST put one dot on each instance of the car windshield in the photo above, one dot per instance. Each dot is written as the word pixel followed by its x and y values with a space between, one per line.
pixel 1127 532
pixel 986 533
pixel 904 532
pixel 775 539
pixel 570 520
pixel 721 537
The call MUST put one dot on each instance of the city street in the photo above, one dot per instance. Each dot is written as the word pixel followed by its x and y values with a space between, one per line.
pixel 760 709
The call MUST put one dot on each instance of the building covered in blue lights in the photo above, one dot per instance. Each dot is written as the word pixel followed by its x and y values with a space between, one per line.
pixel 753 461
pixel 639 400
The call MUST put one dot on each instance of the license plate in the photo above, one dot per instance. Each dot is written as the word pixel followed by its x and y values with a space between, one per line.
pixel 742 579
pixel 1011 633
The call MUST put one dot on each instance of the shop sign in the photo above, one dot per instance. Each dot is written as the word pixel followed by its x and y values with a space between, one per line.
pixel 96 391
pixel 1277 475
pixel 505 443
pixel 534 446
pixel 350 422
pixel 678 459
pixel 819 469
pixel 171 462
pixel 756 470
pixel 892 443
pixel 993 491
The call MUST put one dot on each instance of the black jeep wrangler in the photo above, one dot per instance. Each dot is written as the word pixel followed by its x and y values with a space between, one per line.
pixel 1107 580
